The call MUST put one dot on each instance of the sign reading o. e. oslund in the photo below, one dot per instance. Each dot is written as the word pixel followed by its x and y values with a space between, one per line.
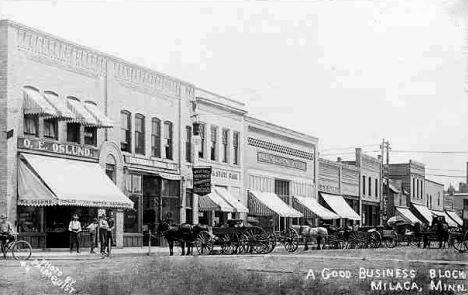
pixel 58 148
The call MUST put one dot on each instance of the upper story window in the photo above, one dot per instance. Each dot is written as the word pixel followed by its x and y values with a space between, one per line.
pixel 188 144
pixel 168 134
pixel 281 187
pixel 156 137
pixel 201 152
pixel 90 136
pixel 376 187
pixel 363 185
pixel 370 186
pixel 413 189
pixel 235 144
pixel 73 132
pixel 140 134
pixel 125 131
pixel 50 128
pixel 438 199
pixel 225 145
pixel 214 143
pixel 31 125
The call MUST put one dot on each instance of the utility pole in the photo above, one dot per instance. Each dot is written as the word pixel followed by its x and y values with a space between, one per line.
pixel 385 145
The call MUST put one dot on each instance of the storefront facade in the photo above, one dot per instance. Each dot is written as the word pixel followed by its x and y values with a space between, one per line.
pixel 372 208
pixel 339 190
pixel 63 102
pixel 277 161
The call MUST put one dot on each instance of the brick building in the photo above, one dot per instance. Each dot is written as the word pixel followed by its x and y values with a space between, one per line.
pixel 70 108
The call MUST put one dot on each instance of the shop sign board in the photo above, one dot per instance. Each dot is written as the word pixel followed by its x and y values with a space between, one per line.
pixel 221 173
pixel 330 189
pixel 281 161
pixel 201 180
pixel 57 148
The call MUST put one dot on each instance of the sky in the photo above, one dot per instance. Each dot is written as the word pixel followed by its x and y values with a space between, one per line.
pixel 347 72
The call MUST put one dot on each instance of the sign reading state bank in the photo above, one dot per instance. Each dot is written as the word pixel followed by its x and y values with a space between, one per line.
pixel 58 148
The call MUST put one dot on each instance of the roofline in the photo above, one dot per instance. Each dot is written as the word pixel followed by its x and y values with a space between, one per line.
pixel 426 179
pixel 106 55
pixel 220 105
pixel 250 119
pixel 223 97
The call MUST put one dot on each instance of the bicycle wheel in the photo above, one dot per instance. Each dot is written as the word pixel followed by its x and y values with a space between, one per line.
pixel 21 250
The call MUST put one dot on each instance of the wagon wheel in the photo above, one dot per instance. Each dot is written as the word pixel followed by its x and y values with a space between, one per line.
pixel 392 241
pixel 259 240
pixel 460 242
pixel 271 243
pixel 227 245
pixel 375 239
pixel 290 240
pixel 204 243
pixel 243 244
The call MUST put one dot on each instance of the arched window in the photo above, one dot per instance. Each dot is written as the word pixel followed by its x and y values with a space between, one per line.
pixel 140 134
pixel 125 131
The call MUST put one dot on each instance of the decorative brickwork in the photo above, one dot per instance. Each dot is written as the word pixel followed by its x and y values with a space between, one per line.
pixel 280 148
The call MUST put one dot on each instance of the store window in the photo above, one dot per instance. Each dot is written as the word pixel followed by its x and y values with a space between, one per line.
pixel 30 219
pixel 225 145
pixel 235 144
pixel 214 143
pixel 201 152
pixel 125 131
pixel 73 132
pixel 140 134
pixel 50 128
pixel 188 144
pixel 171 199
pixel 281 187
pixel 156 137
pixel 134 190
pixel 31 123
pixel 168 135
pixel 90 136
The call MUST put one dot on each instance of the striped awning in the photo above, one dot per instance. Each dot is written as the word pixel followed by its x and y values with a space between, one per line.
pixel 340 206
pixel 268 204
pixel 34 103
pixel 231 200
pixel 449 220
pixel 214 202
pixel 455 217
pixel 406 214
pixel 82 115
pixel 424 211
pixel 312 209
pixel 60 105
pixel 104 121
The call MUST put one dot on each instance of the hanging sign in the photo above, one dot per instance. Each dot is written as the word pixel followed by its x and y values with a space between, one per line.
pixel 201 180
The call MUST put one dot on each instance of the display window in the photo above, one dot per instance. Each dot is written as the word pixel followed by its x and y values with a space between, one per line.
pixel 30 219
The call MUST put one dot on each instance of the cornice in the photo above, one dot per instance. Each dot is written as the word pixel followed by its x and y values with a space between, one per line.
pixel 282 130
pixel 216 104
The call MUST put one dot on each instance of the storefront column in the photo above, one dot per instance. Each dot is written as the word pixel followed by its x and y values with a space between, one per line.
pixel 119 224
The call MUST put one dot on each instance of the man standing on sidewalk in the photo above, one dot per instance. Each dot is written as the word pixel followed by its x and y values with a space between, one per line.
pixel 110 239
pixel 75 228
pixel 103 226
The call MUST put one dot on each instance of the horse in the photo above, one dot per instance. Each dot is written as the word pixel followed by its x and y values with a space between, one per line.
pixel 440 228
pixel 185 233
pixel 309 232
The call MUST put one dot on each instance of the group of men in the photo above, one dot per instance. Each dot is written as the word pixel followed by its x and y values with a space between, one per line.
pixel 102 229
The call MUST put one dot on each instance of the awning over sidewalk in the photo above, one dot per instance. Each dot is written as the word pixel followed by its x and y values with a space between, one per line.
pixel 424 211
pixel 231 200
pixel 268 204
pixel 449 220
pixel 213 202
pixel 73 183
pixel 407 215
pixel 34 103
pixel 455 217
pixel 340 206
pixel 311 208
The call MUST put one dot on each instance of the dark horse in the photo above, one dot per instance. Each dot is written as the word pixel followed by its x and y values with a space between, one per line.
pixel 185 234
pixel 440 228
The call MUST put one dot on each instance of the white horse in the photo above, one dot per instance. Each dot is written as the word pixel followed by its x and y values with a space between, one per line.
pixel 317 233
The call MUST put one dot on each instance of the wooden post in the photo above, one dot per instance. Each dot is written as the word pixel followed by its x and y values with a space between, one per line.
pixel 149 243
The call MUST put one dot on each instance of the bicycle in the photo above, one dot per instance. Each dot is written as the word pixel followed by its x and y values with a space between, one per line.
pixel 20 249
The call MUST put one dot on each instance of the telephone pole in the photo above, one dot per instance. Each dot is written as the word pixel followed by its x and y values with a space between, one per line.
pixel 385 146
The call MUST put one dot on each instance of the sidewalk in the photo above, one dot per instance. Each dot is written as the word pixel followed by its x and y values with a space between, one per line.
pixel 64 254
